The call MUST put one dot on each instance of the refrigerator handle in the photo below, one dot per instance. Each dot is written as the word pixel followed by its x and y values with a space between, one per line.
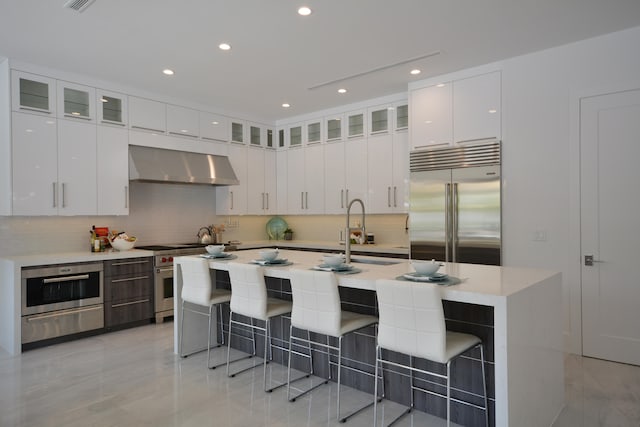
pixel 454 215
pixel 447 220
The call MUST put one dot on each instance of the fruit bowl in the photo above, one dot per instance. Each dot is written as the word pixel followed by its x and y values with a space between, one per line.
pixel 123 244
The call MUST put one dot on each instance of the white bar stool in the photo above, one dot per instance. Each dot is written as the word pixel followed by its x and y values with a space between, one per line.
pixel 249 298
pixel 412 322
pixel 316 308
pixel 197 289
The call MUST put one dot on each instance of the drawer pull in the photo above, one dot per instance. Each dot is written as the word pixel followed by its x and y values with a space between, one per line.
pixel 129 279
pixel 129 303
pixel 130 262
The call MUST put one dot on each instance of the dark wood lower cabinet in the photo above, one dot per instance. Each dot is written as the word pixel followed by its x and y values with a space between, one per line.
pixel 359 351
pixel 128 292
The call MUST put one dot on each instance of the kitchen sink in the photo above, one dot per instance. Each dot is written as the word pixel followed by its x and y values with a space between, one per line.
pixel 373 261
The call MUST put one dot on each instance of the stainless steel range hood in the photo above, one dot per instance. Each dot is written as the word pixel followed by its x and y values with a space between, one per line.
pixel 150 164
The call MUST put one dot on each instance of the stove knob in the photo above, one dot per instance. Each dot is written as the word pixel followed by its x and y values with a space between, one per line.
pixel 170 259
pixel 164 259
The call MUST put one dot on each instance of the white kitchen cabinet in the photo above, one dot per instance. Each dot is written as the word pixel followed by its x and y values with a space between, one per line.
pixel 314 131
pixel 334 178
pixel 76 101
pixel 333 126
pixel 183 121
pixel 476 108
pixel 33 93
pixel 379 120
pixel 356 124
pixel 431 116
pixel 147 115
pixel 305 189
pixel 112 108
pixel 77 157
pixel 112 170
pixel 261 181
pixel 237 131
pixel 281 182
pixel 35 165
pixel 388 165
pixel 232 199
pixel 401 116
pixel 214 127
pixel 255 136
pixel 356 182
pixel 295 135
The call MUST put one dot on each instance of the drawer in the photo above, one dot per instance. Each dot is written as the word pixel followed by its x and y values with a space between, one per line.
pixel 128 287
pixel 120 313
pixel 128 266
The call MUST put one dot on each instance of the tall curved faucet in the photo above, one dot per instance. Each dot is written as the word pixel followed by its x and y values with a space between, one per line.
pixel 347 251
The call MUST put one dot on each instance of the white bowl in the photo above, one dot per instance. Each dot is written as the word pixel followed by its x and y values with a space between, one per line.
pixel 425 268
pixel 333 260
pixel 215 249
pixel 269 254
pixel 123 244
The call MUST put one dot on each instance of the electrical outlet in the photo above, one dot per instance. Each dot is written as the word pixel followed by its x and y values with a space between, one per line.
pixel 540 236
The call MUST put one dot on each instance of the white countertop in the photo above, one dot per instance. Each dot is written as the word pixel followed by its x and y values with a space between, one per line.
pixel 69 257
pixel 321 245
pixel 481 284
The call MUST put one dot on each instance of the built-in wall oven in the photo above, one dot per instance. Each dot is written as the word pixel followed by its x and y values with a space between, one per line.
pixel 60 300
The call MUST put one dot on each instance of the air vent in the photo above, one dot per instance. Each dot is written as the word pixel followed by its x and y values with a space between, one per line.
pixel 479 154
pixel 78 5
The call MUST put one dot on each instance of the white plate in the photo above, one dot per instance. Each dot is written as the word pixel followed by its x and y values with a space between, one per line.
pixel 325 267
pixel 214 256
pixel 273 262
pixel 437 277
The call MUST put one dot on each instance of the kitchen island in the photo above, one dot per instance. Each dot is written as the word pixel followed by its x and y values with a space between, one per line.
pixel 516 311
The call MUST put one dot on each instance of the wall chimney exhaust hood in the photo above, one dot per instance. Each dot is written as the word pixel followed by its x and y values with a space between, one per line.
pixel 149 164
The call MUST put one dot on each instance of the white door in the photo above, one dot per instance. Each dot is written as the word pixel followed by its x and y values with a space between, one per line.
pixel 610 229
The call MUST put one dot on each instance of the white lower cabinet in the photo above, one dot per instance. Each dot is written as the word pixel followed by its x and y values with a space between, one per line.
pixel 232 199
pixel 77 182
pixel 261 181
pixel 113 171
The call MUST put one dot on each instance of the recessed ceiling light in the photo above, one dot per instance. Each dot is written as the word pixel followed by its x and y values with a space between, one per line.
pixel 415 71
pixel 214 123
pixel 440 85
pixel 285 105
pixel 168 72
pixel 304 11
pixel 224 46
pixel 428 122
pixel 342 90
pixel 492 111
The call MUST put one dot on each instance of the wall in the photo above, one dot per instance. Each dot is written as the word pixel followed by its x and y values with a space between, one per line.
pixel 541 94
pixel 159 213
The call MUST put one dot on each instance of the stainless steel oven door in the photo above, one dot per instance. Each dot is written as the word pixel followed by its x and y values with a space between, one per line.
pixel 163 292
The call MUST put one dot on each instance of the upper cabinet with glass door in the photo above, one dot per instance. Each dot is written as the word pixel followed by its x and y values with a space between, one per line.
pixel 237 131
pixel 112 108
pixel 33 93
pixel 76 101
pixel 333 126
pixel 255 136
pixel 401 115
pixel 379 120
pixel 355 124
pixel 314 133
pixel 270 138
pixel 295 136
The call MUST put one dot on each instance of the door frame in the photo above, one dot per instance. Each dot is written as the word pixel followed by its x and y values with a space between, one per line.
pixel 573 295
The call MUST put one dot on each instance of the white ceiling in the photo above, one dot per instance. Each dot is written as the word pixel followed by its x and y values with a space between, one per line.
pixel 278 55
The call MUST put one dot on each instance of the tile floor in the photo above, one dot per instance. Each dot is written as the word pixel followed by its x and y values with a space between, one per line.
pixel 132 378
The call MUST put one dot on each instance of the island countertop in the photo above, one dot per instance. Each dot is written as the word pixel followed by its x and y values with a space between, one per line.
pixel 526 306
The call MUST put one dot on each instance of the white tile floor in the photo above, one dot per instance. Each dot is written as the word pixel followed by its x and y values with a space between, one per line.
pixel 132 378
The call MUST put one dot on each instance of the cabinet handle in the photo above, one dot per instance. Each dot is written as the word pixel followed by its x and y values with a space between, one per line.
pixel 302 200
pixel 267 201
pixel 188 135
pixel 64 313
pixel 342 199
pixel 306 199
pixel 388 197
pixel 55 194
pixel 110 122
pixel 231 193
pixel 129 279
pixel 395 196
pixel 262 201
pixel 39 110
pixel 126 197
pixel 129 263
pixel 66 278
pixel 130 303
pixel 64 195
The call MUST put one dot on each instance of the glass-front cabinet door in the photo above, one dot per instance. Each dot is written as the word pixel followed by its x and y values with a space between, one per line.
pixel 313 132
pixel 270 142
pixel 355 122
pixel 295 136
pixel 237 132
pixel 334 128
pixel 33 93
pixel 402 117
pixel 379 120
pixel 112 108
pixel 254 136
pixel 76 101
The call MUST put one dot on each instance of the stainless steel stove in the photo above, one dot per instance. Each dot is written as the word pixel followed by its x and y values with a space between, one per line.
pixel 163 273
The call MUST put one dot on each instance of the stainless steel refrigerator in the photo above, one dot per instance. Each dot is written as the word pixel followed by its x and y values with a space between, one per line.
pixel 455 201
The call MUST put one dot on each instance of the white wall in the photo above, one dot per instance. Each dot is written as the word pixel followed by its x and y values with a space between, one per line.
pixel 541 95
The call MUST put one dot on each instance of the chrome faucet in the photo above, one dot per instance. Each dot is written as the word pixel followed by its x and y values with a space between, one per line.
pixel 347 252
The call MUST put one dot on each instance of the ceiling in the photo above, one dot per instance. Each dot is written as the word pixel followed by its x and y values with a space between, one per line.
pixel 278 56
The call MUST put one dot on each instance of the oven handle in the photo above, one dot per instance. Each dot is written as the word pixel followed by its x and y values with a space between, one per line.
pixel 130 262
pixel 63 312
pixel 66 278
pixel 164 270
